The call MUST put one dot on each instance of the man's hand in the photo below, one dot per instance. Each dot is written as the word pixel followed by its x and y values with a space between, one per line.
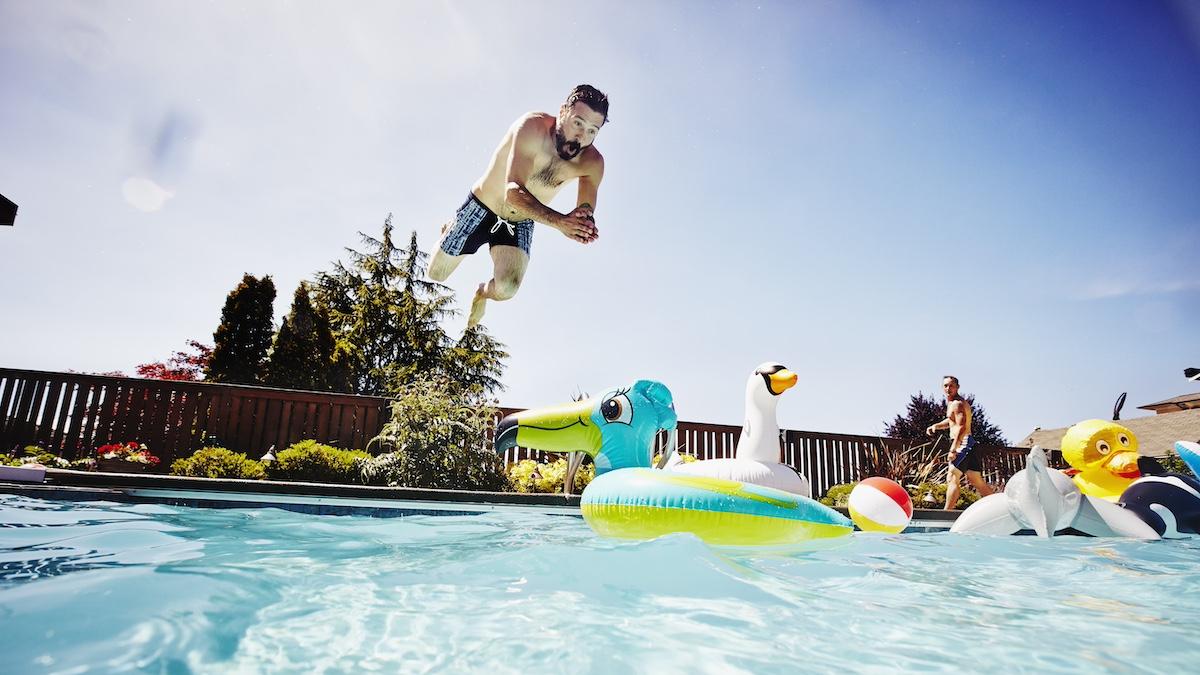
pixel 951 456
pixel 930 429
pixel 579 225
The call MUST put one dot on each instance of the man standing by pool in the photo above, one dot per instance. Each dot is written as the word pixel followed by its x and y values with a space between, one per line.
pixel 964 456
pixel 537 156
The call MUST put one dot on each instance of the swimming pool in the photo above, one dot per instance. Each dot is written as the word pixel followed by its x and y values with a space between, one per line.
pixel 112 586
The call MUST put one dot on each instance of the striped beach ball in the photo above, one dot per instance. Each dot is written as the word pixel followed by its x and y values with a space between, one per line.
pixel 880 505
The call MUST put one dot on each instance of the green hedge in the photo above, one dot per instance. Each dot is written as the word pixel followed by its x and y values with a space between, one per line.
pixel 317 463
pixel 838 495
pixel 530 476
pixel 937 493
pixel 218 463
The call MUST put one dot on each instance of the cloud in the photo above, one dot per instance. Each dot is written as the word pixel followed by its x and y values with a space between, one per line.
pixel 144 194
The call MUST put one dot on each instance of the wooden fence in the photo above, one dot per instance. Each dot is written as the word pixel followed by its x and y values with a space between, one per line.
pixel 71 414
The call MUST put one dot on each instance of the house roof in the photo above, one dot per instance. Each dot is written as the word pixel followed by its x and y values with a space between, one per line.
pixel 1183 402
pixel 1156 434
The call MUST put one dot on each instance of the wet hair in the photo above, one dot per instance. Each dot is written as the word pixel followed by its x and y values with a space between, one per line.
pixel 591 97
pixel 951 377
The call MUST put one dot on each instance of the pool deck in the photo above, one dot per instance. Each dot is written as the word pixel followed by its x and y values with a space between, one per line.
pixel 325 498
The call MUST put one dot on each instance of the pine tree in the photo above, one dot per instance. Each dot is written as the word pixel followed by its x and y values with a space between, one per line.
pixel 922 411
pixel 476 361
pixel 386 319
pixel 302 354
pixel 244 336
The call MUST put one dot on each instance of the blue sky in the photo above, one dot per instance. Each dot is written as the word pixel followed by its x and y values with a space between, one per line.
pixel 874 194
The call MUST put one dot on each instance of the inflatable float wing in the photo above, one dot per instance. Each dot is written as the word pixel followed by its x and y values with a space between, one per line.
pixel 1190 454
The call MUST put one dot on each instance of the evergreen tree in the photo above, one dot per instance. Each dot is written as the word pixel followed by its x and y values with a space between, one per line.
pixel 302 355
pixel 476 361
pixel 922 411
pixel 386 319
pixel 241 341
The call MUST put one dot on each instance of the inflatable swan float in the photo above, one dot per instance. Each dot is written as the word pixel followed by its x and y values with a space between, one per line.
pixel 757 458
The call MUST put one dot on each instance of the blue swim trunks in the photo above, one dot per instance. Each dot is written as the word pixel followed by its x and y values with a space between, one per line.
pixel 476 225
pixel 967 458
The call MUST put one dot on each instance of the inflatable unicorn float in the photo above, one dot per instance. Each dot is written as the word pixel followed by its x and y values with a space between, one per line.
pixel 1112 493
pixel 736 502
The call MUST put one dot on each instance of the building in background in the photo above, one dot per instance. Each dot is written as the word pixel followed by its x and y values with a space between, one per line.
pixel 1175 419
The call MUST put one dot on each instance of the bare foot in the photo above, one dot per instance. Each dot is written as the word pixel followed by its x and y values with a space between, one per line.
pixel 477 306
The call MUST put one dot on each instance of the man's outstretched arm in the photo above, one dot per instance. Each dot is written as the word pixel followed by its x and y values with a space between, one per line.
pixel 589 187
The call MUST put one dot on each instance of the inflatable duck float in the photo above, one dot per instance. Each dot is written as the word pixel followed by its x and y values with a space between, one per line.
pixel 1047 501
pixel 629 500
pixel 1105 456
pixel 757 458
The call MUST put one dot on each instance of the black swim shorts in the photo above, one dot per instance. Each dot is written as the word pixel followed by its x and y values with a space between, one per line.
pixel 967 458
pixel 475 224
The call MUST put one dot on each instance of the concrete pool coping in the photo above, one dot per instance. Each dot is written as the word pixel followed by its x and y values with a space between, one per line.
pixel 327 498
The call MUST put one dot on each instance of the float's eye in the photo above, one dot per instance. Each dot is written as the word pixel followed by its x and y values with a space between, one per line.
pixel 1102 447
pixel 617 408
pixel 1124 440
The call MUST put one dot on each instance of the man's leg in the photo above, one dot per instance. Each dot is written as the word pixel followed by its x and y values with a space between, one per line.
pixel 508 269
pixel 976 480
pixel 443 264
pixel 953 478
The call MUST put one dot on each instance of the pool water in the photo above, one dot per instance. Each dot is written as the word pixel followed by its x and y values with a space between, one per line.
pixel 110 587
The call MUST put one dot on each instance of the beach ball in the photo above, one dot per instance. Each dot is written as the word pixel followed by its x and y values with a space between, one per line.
pixel 880 505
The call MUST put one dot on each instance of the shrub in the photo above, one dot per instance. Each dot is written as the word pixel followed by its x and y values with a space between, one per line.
pixel 906 464
pixel 386 470
pixel 1173 463
pixel 438 435
pixel 932 495
pixel 838 495
pixel 32 454
pixel 314 462
pixel 528 475
pixel 218 463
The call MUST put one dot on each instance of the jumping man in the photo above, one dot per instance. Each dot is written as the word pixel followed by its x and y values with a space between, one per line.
pixel 537 156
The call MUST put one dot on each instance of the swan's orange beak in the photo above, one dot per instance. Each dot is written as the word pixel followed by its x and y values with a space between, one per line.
pixel 782 380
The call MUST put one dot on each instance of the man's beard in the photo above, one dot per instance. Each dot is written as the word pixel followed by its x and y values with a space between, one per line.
pixel 566 149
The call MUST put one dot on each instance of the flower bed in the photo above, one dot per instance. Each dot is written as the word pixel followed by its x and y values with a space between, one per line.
pixel 131 457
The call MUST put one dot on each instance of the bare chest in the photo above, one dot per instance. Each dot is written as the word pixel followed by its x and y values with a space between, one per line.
pixel 552 173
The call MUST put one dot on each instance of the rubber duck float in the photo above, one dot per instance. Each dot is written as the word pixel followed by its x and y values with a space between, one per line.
pixel 757 457
pixel 630 500
pixel 1105 457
